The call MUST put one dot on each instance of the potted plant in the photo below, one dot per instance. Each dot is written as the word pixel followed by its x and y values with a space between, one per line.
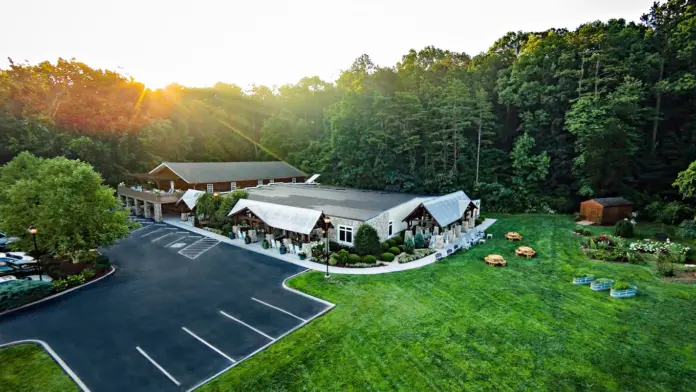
pixel 247 240
pixel 302 255
pixel 265 244
pixel 583 277
pixel 623 290
pixel 601 284
pixel 283 249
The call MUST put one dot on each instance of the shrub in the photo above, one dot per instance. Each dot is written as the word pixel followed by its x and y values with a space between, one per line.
pixel 341 256
pixel 621 285
pixel 385 246
pixel 75 280
pixel 409 246
pixel 88 273
pixel 387 256
pixel 399 240
pixel 578 217
pixel 391 242
pixel 318 251
pixel 582 230
pixel 624 229
pixel 687 229
pixel 584 274
pixel 369 259
pixel 367 241
pixel 664 266
pixel 60 284
pixel 354 259
pixel 21 292
pixel 332 261
pixel 394 250
pixel 419 240
pixel 418 254
pixel 479 220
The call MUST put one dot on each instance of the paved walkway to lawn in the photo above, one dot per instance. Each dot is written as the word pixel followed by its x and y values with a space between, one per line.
pixel 294 259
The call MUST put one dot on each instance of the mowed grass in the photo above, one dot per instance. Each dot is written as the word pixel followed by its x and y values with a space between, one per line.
pixel 460 325
pixel 28 368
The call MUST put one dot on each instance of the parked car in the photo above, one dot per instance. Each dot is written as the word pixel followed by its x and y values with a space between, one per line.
pixel 9 266
pixel 20 257
pixel 5 240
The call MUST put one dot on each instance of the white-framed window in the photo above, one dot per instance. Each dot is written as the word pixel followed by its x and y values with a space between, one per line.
pixel 391 228
pixel 233 185
pixel 209 188
pixel 260 182
pixel 294 180
pixel 345 234
pixel 271 181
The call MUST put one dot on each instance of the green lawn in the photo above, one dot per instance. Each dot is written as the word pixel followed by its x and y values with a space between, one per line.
pixel 461 325
pixel 27 367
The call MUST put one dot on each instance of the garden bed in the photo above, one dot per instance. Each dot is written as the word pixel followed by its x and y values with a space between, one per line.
pixel 417 255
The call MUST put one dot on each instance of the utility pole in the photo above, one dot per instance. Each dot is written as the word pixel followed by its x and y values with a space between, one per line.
pixel 478 150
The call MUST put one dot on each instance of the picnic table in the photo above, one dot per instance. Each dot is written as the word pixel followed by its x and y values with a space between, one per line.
pixel 495 260
pixel 525 251
pixel 513 236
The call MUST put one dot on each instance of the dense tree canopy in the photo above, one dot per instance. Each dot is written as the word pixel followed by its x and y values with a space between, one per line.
pixel 606 109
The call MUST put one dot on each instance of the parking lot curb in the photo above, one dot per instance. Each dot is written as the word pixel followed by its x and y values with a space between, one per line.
pixel 53 355
pixel 286 287
pixel 50 297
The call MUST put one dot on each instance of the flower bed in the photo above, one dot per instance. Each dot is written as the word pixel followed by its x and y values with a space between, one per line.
pixel 417 255
pixel 601 284
pixel 345 259
pixel 583 279
pixel 625 293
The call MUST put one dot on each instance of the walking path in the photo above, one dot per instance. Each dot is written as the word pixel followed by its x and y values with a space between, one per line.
pixel 291 258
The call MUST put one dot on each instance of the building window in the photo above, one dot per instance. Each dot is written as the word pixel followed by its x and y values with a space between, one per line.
pixel 209 188
pixel 294 180
pixel 391 228
pixel 260 182
pixel 345 234
pixel 271 181
pixel 233 185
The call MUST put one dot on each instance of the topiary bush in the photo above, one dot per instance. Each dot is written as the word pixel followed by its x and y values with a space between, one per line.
pixel 399 240
pixel 391 242
pixel 385 247
pixel 367 241
pixel 387 256
pixel 419 241
pixel 624 229
pixel 17 293
pixel 354 259
pixel 394 250
pixel 341 256
pixel 369 259
pixel 409 246
pixel 687 229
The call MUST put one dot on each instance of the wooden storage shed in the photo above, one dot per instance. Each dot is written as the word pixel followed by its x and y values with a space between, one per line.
pixel 606 210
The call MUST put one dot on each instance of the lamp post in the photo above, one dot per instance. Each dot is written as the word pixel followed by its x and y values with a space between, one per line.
pixel 327 222
pixel 33 230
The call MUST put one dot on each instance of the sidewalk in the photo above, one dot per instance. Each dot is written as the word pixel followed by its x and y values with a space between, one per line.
pixel 294 259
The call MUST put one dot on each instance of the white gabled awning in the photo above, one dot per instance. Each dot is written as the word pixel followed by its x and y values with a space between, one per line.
pixel 448 208
pixel 190 198
pixel 299 220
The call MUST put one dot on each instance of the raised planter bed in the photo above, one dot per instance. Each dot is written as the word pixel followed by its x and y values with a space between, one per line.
pixel 630 292
pixel 601 284
pixel 583 280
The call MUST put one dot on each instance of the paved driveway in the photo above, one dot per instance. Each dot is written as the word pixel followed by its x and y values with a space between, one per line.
pixel 179 309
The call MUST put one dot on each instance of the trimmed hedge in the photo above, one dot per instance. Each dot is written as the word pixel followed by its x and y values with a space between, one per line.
pixel 369 259
pixel 387 256
pixel 354 259
pixel 17 293
pixel 391 242
pixel 394 250
pixel 385 247
pixel 399 240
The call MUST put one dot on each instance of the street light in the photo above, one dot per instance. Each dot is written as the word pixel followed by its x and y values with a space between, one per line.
pixel 327 221
pixel 33 230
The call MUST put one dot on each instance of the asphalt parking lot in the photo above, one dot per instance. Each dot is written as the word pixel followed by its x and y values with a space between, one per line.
pixel 180 309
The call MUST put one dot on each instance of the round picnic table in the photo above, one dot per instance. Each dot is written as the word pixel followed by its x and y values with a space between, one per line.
pixel 495 260
pixel 525 251
pixel 513 236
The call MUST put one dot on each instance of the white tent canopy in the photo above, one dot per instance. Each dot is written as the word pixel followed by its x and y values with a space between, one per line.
pixel 190 198
pixel 299 220
pixel 448 208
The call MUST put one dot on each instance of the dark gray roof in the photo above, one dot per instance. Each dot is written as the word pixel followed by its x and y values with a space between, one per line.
pixel 340 202
pixel 613 201
pixel 207 172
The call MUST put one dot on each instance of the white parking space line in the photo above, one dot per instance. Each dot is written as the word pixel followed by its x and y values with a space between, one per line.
pixel 278 309
pixel 208 344
pixel 161 369
pixel 151 232
pixel 144 227
pixel 159 238
pixel 174 242
pixel 247 325
pixel 198 248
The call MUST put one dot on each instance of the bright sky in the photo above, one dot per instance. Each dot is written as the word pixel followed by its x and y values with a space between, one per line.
pixel 272 42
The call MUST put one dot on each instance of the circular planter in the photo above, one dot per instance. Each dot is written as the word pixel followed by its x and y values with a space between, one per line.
pixel 283 250
pixel 302 256
pixel 599 285
pixel 630 292
pixel 583 280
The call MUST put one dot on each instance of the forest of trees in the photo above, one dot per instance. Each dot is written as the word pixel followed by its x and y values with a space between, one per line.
pixel 607 109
